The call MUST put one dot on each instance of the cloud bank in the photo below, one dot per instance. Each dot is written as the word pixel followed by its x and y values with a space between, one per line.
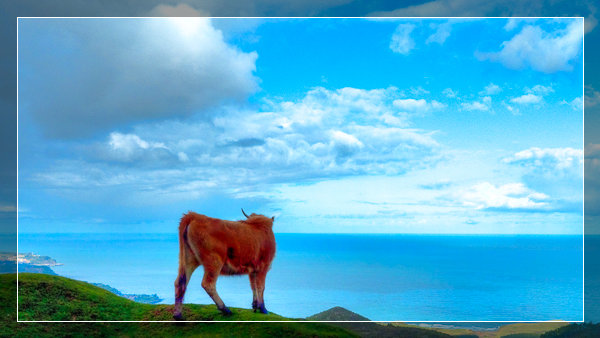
pixel 325 134
pixel 124 71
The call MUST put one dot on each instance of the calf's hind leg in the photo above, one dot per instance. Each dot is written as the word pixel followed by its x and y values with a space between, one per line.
pixel 187 265
pixel 212 269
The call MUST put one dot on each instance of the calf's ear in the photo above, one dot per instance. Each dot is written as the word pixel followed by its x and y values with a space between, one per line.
pixel 273 218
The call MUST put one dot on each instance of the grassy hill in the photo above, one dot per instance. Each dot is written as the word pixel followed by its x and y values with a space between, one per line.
pixel 54 298
pixel 45 297
pixel 372 329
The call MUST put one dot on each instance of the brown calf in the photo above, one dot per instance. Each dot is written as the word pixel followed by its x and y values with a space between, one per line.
pixel 224 248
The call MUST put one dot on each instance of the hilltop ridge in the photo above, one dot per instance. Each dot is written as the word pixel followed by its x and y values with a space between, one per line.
pixel 54 298
pixel 337 313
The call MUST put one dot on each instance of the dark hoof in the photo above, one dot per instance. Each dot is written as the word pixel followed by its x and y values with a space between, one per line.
pixel 178 316
pixel 226 312
pixel 263 309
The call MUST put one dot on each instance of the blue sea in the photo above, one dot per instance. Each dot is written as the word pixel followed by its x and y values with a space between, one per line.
pixel 382 277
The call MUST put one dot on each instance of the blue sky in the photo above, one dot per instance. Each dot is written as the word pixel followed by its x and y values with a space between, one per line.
pixel 345 125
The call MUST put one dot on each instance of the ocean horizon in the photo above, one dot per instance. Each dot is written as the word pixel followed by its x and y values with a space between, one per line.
pixel 386 277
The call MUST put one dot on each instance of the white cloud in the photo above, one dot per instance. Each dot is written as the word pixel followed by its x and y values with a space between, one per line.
pixel 320 105
pixel 420 105
pixel 540 90
pixel 182 156
pixel 392 120
pixel 411 104
pixel 396 138
pixel 483 105
pixel 491 89
pixel 418 91
pixel 128 143
pixel 130 147
pixel 497 8
pixel 533 95
pixel 114 72
pixel 513 23
pixel 553 158
pixel 401 41
pixel 470 106
pixel 526 99
pixel 344 143
pixel 512 196
pixel 576 103
pixel 511 109
pixel 326 133
pixel 557 172
pixel 448 92
pixel 543 51
pixel 442 32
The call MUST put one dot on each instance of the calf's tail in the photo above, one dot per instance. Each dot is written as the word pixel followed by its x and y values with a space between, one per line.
pixel 183 228
pixel 182 275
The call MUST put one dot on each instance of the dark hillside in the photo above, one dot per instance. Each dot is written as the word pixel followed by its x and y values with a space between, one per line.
pixel 337 314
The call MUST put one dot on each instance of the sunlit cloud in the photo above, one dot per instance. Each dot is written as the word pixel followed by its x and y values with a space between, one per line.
pixel 526 99
pixel 483 105
pixel 486 195
pixel 541 50
pixel 557 158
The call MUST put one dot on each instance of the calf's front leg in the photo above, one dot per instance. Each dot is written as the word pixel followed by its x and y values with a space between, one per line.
pixel 261 276
pixel 252 276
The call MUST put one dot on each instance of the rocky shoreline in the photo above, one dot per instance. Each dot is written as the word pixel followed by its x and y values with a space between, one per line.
pixel 140 298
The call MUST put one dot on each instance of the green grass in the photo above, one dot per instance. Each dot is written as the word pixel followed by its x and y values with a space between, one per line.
pixel 53 298
pixel 44 297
